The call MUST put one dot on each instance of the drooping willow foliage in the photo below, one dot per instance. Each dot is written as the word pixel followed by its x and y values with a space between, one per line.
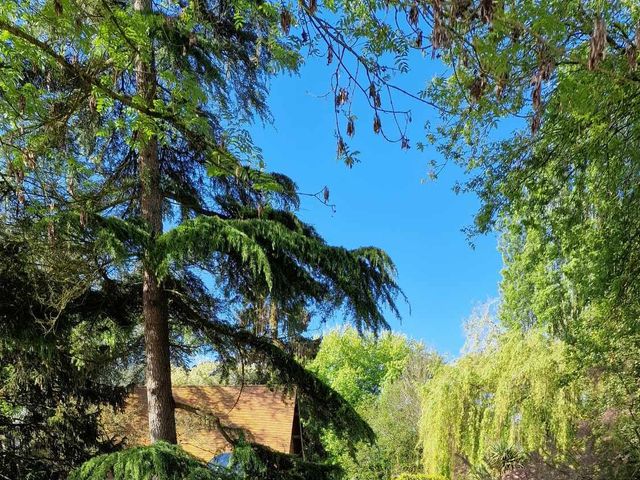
pixel 518 392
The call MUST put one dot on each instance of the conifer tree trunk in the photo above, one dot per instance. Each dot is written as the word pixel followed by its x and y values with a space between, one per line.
pixel 273 320
pixel 162 425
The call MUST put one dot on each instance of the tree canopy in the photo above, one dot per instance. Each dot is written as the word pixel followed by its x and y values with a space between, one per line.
pixel 128 178
pixel 120 121
pixel 382 378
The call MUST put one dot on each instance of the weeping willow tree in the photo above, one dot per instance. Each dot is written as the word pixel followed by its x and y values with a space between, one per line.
pixel 517 392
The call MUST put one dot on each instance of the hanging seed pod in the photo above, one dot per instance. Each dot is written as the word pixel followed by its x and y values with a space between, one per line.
pixel 418 41
pixel 536 92
pixel 477 87
pixel 285 20
pixel 312 7
pixel 404 143
pixel 325 194
pixel 57 7
pixel 372 91
pixel 329 55
pixel 439 35
pixel 536 122
pixel 486 11
pixel 597 44
pixel 376 100
pixel 536 100
pixel 30 159
pixel 546 67
pixel 376 124
pixel 93 103
pixel 341 147
pixel 342 97
pixel 351 129
pixel 414 14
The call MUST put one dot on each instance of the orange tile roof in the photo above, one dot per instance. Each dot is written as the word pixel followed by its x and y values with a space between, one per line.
pixel 266 417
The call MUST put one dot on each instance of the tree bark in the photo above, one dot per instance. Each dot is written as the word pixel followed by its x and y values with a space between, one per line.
pixel 273 320
pixel 162 424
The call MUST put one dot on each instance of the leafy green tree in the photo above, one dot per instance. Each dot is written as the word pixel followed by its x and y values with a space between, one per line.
pixel 395 416
pixel 122 120
pixel 382 377
pixel 359 366
pixel 540 102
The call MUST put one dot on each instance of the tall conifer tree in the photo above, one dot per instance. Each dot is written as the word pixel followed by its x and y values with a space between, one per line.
pixel 120 118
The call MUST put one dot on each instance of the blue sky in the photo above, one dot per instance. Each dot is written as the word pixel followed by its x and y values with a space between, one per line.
pixel 381 201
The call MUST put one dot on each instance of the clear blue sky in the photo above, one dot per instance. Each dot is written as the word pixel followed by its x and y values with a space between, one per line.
pixel 382 202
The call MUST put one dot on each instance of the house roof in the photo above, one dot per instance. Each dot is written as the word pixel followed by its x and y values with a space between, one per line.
pixel 266 417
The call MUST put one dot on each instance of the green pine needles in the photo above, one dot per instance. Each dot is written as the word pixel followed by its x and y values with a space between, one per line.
pixel 163 461
pixel 123 145
pixel 160 461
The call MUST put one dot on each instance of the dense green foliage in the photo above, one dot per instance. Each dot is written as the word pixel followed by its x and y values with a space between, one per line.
pixel 117 118
pixel 560 185
pixel 77 118
pixel 160 461
pixel 516 393
pixel 382 378
pixel 563 189
pixel 52 378
pixel 163 461
pixel 557 382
